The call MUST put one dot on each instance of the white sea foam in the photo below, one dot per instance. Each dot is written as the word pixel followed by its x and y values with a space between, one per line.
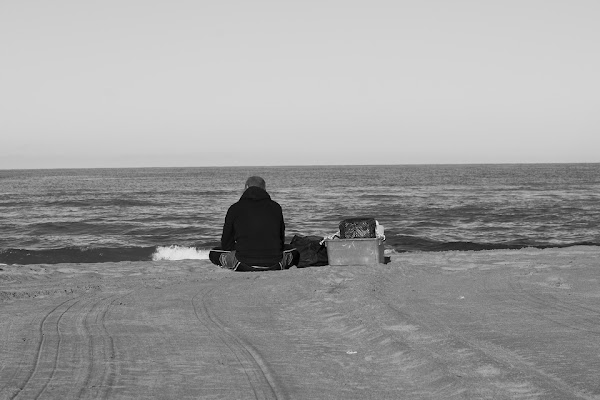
pixel 173 253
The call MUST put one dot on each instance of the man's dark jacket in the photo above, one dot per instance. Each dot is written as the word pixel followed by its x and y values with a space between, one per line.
pixel 254 227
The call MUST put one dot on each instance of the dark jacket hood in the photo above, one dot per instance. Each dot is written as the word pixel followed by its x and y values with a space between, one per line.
pixel 255 193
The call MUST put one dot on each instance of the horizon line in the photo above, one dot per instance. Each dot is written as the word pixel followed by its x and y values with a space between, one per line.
pixel 304 165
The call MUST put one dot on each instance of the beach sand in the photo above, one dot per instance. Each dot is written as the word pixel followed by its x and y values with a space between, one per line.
pixel 509 324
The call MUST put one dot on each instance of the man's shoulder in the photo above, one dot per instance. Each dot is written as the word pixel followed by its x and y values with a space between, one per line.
pixel 273 202
pixel 232 208
pixel 244 202
pixel 250 203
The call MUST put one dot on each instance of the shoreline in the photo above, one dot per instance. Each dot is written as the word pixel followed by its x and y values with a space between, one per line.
pixel 497 324
pixel 95 255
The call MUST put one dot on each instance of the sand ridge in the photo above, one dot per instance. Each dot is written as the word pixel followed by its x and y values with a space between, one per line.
pixel 509 324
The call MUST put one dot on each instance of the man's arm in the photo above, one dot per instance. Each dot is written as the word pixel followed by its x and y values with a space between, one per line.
pixel 282 232
pixel 228 236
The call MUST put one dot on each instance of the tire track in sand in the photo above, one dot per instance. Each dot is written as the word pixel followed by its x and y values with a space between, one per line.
pixel 101 368
pixel 46 353
pixel 81 367
pixel 545 385
pixel 506 359
pixel 256 370
pixel 566 314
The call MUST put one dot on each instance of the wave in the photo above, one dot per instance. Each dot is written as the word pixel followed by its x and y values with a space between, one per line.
pixel 76 255
pixel 118 202
pixel 173 253
pixel 394 245
pixel 402 243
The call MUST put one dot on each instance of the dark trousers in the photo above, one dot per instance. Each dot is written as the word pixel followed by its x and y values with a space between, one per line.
pixel 227 259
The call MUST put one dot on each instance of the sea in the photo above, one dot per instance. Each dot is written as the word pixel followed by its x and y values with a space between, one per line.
pixel 110 215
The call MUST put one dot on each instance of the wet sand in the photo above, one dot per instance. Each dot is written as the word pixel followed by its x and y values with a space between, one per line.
pixel 510 324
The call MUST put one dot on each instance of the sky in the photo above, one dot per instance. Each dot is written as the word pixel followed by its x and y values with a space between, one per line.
pixel 153 83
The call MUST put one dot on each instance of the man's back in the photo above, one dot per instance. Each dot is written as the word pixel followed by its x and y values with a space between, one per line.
pixel 254 227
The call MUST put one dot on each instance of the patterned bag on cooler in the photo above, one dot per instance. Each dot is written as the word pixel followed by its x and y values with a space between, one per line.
pixel 356 228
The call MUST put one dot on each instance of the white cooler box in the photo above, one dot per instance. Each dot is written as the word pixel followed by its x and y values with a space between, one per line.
pixel 355 251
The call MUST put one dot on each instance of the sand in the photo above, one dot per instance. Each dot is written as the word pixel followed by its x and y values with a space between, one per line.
pixel 510 324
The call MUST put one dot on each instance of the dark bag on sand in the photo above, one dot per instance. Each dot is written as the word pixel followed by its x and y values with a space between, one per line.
pixel 312 253
pixel 357 228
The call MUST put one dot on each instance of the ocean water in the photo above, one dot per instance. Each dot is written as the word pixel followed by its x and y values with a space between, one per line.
pixel 102 215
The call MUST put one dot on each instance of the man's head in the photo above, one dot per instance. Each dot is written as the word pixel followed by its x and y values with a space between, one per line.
pixel 256 181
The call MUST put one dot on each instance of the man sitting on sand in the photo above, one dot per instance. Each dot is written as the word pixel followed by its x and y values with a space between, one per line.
pixel 254 233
